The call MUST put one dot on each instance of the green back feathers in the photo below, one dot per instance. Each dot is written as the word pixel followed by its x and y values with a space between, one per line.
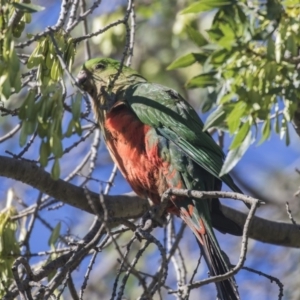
pixel 166 110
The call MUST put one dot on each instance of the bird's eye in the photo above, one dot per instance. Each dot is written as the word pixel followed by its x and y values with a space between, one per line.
pixel 100 66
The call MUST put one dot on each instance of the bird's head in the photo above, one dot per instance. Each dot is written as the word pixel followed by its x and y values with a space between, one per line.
pixel 99 73
pixel 105 81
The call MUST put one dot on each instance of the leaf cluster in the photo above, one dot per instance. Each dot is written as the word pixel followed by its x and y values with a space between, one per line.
pixel 9 247
pixel 249 59
pixel 41 112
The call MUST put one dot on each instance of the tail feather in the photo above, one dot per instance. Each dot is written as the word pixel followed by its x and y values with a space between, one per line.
pixel 217 261
pixel 217 264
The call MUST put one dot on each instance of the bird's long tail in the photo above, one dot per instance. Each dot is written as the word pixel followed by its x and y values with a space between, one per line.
pixel 198 219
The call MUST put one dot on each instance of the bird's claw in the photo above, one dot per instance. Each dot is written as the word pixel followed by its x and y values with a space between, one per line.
pixel 152 219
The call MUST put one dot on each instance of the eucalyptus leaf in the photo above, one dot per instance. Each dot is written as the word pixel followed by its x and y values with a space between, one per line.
pixel 205 5
pixel 216 118
pixel 234 156
pixel 55 171
pixel 202 81
pixel 266 131
pixel 196 36
pixel 187 60
pixel 28 7
pixel 240 136
pixel 54 235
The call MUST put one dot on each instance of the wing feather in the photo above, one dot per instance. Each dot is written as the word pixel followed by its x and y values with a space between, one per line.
pixel 176 120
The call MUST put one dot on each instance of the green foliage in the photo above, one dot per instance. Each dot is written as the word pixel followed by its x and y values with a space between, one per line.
pixel 205 5
pixel 52 242
pixel 203 80
pixel 29 8
pixel 54 236
pixel 10 76
pixel 111 40
pixel 9 247
pixel 42 111
pixel 23 10
pixel 45 58
pixel 187 60
pixel 196 36
pixel 44 115
pixel 250 68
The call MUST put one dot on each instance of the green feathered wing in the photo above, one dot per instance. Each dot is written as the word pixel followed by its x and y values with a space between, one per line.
pixel 176 120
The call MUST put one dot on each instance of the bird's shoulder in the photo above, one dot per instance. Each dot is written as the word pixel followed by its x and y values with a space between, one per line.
pixel 161 105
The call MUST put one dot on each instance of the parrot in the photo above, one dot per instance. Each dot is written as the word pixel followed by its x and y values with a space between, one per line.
pixel 156 139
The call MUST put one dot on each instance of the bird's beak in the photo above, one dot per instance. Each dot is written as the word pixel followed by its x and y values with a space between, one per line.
pixel 81 77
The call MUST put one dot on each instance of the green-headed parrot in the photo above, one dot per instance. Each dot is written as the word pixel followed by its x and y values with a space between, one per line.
pixel 157 141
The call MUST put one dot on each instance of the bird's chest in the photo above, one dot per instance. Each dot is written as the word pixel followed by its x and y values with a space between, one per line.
pixel 135 150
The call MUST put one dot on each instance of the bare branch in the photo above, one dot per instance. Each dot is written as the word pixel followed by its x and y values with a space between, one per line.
pixel 11 133
pixel 131 206
pixel 271 278
pixel 289 212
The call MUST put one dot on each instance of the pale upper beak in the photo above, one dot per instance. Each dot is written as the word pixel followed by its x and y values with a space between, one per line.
pixel 81 77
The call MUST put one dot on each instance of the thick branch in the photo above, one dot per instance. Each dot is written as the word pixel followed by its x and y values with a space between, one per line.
pixel 131 206
pixel 125 206
pixel 266 231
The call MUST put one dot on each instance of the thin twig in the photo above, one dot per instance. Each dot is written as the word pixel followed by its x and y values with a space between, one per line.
pixel 59 24
pixel 132 35
pixel 272 278
pixel 75 144
pixel 72 14
pixel 130 269
pixel 289 212
pixel 11 133
pixel 187 296
pixel 27 146
pixel 87 48
pixel 32 222
pixel 127 44
pixel 163 269
pixel 100 31
pixel 179 278
pixel 111 179
pixel 84 15
pixel 123 262
pixel 87 274
pixel 73 262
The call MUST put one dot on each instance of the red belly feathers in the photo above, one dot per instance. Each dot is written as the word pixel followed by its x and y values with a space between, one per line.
pixel 126 141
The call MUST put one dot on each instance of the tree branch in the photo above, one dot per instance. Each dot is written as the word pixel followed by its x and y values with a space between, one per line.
pixel 131 206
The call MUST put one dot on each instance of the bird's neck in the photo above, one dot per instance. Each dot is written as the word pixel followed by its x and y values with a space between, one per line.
pixel 110 97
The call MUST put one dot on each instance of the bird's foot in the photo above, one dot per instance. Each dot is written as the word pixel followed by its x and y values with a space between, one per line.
pixel 149 221
pixel 153 218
